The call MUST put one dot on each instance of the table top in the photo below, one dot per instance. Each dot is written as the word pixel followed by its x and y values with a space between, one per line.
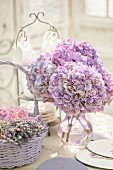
pixel 51 148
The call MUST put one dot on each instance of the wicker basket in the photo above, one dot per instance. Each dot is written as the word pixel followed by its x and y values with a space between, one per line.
pixel 12 155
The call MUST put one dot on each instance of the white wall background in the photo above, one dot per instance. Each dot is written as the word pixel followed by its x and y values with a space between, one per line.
pixel 70 19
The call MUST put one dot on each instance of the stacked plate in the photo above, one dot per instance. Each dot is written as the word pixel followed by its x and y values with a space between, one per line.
pixel 47 110
pixel 98 154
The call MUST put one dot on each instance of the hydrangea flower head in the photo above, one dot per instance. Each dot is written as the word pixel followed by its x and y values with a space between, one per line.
pixel 70 50
pixel 40 71
pixel 77 89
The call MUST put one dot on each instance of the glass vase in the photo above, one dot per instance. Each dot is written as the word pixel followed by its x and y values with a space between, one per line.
pixel 75 132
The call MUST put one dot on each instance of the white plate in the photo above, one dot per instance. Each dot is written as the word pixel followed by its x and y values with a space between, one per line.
pixel 102 147
pixel 101 123
pixel 94 160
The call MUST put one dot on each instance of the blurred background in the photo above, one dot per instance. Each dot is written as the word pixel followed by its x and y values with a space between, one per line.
pixel 87 20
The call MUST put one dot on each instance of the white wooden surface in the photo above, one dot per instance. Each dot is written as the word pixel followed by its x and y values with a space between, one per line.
pixel 7 31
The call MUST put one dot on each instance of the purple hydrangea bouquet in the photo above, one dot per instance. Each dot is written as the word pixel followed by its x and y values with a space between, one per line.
pixel 74 79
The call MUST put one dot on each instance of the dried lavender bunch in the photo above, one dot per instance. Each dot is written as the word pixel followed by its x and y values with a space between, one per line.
pixel 20 131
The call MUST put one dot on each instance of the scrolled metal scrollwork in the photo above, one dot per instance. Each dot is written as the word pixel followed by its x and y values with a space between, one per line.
pixel 5 46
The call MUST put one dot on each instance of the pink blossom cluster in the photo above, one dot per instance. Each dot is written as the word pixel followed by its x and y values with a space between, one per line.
pixel 10 114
